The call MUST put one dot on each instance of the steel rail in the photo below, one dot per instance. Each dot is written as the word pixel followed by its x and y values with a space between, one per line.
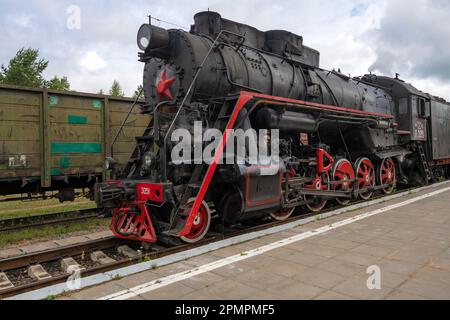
pixel 20 223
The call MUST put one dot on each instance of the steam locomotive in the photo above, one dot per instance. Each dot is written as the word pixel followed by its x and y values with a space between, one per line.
pixel 340 138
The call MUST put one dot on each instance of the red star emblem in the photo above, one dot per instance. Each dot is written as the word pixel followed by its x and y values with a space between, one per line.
pixel 163 86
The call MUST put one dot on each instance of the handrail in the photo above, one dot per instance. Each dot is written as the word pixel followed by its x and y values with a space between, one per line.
pixel 188 93
pixel 125 121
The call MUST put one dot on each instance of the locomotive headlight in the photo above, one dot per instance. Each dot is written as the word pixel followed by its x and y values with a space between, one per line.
pixel 110 163
pixel 143 37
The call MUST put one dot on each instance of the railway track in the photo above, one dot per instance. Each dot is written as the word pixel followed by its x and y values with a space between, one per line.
pixel 20 223
pixel 116 254
pixel 30 198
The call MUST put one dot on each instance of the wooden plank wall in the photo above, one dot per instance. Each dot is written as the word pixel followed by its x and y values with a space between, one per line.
pixel 55 135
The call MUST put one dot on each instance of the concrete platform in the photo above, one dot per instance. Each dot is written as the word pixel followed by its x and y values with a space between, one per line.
pixel 399 249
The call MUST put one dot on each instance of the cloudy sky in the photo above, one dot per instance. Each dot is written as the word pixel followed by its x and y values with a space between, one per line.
pixel 409 37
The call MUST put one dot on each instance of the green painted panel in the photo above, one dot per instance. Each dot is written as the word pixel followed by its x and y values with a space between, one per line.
pixel 56 172
pixel 97 104
pixel 53 101
pixel 77 119
pixel 64 162
pixel 76 147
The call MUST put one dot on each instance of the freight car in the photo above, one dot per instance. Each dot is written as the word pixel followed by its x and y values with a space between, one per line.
pixel 55 140
pixel 339 138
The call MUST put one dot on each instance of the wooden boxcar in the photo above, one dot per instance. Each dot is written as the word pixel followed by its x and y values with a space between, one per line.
pixel 55 140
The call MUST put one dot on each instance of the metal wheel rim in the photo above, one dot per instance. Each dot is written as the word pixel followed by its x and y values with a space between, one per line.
pixel 319 206
pixel 386 166
pixel 201 224
pixel 343 202
pixel 282 215
pixel 359 170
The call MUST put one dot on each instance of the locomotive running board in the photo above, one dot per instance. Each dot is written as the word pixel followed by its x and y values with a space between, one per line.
pixel 242 100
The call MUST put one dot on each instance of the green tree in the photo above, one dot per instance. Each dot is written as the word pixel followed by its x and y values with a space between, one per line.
pixel 25 69
pixel 138 91
pixel 116 90
pixel 58 84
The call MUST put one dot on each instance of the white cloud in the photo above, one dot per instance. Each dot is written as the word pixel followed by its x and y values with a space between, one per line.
pixel 412 43
pixel 23 20
pixel 353 35
pixel 91 61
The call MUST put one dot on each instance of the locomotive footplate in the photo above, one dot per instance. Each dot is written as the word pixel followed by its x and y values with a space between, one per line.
pixel 326 194
pixel 339 194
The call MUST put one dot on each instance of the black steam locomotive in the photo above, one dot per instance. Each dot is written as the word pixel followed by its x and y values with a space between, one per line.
pixel 339 138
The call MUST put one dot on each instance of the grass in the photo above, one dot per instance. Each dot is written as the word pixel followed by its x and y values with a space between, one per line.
pixel 117 277
pixel 39 207
pixel 13 237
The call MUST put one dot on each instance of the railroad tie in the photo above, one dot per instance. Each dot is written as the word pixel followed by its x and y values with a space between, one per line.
pixel 126 251
pixel 37 272
pixel 101 258
pixel 4 282
pixel 69 265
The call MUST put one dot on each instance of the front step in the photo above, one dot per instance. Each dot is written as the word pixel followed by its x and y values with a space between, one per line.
pixel 173 232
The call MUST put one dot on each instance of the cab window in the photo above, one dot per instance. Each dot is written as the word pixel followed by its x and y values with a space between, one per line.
pixel 403 106
pixel 414 106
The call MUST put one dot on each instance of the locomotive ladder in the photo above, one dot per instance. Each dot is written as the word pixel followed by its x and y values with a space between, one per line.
pixel 423 159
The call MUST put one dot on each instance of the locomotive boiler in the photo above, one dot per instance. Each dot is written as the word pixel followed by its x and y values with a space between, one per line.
pixel 338 138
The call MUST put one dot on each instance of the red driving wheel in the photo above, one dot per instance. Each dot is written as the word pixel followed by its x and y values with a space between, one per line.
pixel 201 224
pixel 365 175
pixel 284 214
pixel 387 175
pixel 343 176
pixel 317 204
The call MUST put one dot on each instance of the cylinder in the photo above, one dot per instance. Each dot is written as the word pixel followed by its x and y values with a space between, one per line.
pixel 381 124
pixel 154 40
pixel 286 121
pixel 159 37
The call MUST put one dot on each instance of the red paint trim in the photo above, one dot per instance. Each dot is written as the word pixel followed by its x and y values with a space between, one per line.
pixel 252 204
pixel 118 182
pixel 150 192
pixel 441 162
pixel 321 155
pixel 318 105
pixel 140 224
